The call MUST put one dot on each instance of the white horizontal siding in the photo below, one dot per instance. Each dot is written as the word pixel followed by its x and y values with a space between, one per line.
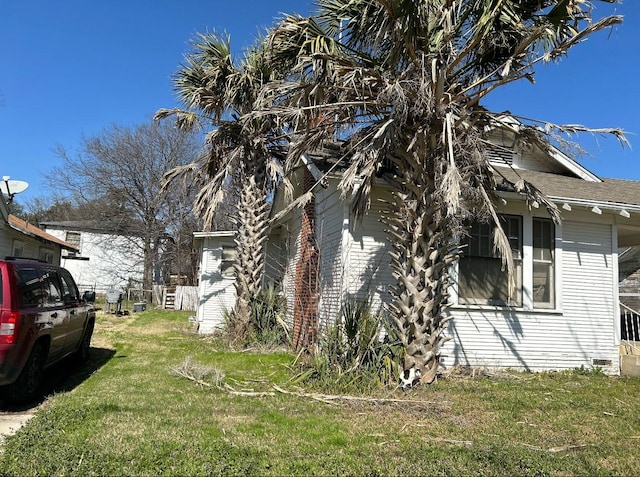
pixel 31 247
pixel 535 161
pixel 365 272
pixel 521 157
pixel 370 274
pixel 582 331
pixel 5 240
pixel 7 237
pixel 275 255
pixel 329 227
pixel 292 236
pixel 589 289
pixel 115 261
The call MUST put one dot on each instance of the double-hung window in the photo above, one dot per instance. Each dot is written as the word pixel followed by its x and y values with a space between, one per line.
pixel 482 276
pixel 484 280
pixel 543 263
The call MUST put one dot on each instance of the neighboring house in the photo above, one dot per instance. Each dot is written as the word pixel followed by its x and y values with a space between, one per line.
pixel 565 312
pixel 102 260
pixel 19 238
pixel 216 290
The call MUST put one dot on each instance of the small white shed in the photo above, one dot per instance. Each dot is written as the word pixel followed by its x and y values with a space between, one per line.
pixel 216 291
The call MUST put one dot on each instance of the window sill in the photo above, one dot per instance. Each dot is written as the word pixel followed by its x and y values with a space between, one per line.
pixel 506 309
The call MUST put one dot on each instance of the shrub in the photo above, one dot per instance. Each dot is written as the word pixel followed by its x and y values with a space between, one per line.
pixel 265 326
pixel 267 317
pixel 359 349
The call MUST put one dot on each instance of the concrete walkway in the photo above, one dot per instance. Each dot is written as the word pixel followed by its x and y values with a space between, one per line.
pixel 10 422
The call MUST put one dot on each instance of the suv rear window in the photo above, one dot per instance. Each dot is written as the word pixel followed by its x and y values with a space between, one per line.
pixel 30 287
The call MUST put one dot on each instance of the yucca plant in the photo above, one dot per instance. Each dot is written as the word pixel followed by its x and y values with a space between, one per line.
pixel 356 349
pixel 268 310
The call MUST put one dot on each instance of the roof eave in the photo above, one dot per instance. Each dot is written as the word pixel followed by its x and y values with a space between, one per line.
pixel 616 207
pixel 60 243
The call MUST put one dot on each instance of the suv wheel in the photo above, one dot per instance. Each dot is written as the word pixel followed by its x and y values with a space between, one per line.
pixel 28 382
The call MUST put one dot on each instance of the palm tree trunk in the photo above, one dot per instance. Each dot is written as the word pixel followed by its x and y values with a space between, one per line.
pixel 421 255
pixel 250 240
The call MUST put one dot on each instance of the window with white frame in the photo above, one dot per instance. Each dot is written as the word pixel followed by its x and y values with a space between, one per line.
pixel 18 248
pixel 543 263
pixel 45 255
pixel 482 277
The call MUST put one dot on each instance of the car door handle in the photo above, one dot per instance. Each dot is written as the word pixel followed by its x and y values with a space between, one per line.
pixel 54 315
pixel 72 312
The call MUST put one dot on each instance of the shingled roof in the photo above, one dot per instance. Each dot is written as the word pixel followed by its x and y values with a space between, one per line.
pixel 616 192
pixel 33 231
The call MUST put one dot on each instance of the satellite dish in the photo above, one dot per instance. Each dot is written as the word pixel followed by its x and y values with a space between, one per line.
pixel 10 187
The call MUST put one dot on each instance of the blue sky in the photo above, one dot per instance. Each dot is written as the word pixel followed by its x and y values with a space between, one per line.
pixel 72 68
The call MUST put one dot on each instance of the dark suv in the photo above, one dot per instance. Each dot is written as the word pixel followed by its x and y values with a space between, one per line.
pixel 43 319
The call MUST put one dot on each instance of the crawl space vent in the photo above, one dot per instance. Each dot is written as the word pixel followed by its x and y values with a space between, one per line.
pixel 601 362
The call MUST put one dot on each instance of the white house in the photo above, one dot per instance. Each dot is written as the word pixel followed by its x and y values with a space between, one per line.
pixel 566 312
pixel 102 260
pixel 216 290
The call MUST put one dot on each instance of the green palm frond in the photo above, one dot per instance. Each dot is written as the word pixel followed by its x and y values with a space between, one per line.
pixel 202 80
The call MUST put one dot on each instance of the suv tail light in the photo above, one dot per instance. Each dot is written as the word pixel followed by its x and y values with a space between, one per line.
pixel 9 326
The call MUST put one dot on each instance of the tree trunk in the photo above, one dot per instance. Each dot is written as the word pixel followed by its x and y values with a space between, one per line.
pixel 250 241
pixel 422 251
pixel 147 274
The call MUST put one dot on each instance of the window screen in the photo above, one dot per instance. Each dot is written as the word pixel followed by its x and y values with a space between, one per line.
pixel 482 278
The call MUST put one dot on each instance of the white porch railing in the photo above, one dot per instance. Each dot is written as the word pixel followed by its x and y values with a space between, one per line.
pixel 629 328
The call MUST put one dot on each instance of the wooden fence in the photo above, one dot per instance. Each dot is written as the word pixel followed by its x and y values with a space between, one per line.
pixel 178 298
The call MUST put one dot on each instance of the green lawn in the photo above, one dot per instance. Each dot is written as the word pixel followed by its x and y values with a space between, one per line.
pixel 127 413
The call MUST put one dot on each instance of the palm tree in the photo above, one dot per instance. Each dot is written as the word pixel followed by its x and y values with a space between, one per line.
pixel 220 91
pixel 402 82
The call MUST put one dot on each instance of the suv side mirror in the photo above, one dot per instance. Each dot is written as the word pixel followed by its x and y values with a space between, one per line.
pixel 89 296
